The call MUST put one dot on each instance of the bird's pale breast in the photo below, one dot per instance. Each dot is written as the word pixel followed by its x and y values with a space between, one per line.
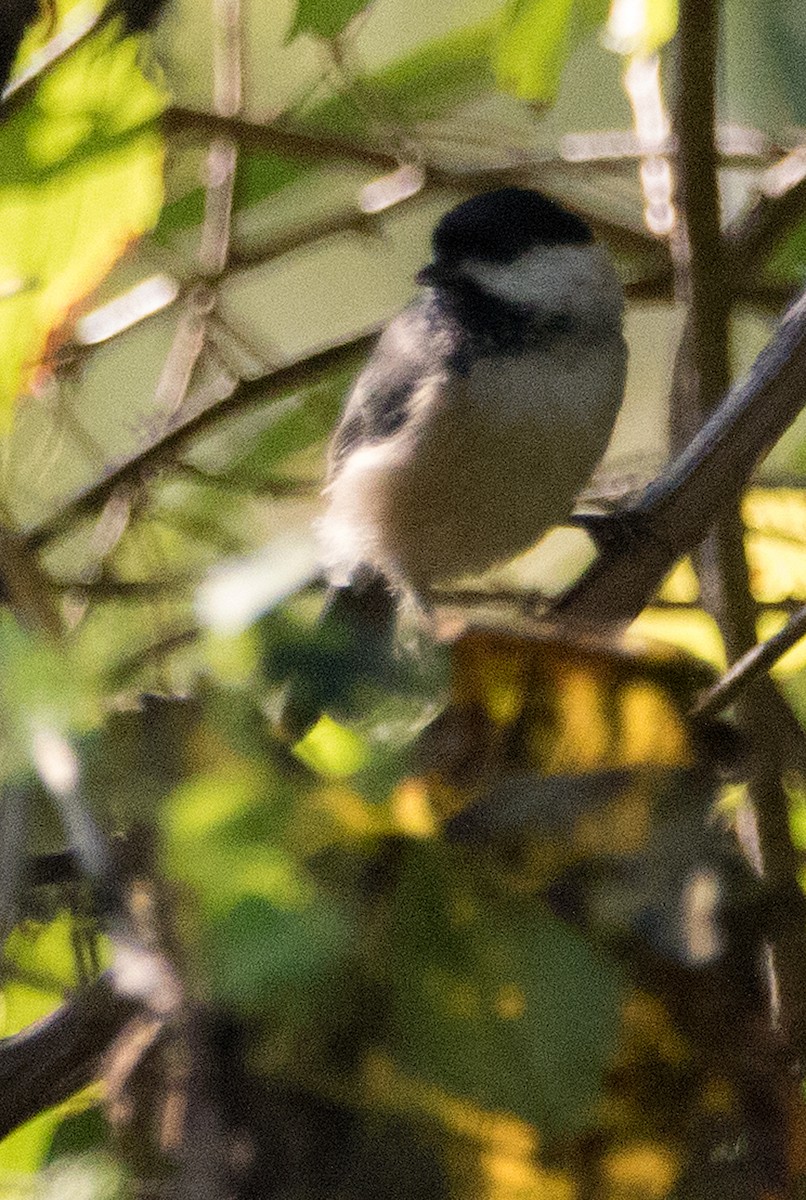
pixel 498 459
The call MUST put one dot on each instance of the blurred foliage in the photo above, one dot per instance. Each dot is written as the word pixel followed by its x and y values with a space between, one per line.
pixel 324 20
pixel 535 40
pixel 484 930
pixel 80 180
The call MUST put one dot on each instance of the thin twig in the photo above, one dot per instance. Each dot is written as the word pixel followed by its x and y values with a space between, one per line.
pixel 215 233
pixel 251 393
pixel 26 587
pixel 754 236
pixel 222 156
pixel 156 652
pixel 750 666
pixel 280 137
pixel 126 590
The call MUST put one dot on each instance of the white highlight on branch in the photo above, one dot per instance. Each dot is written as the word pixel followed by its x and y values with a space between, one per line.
pixel 701 898
pixel 58 767
pixel 390 189
pixel 147 298
pixel 784 174
pixel 653 130
pixel 55 760
pixel 145 975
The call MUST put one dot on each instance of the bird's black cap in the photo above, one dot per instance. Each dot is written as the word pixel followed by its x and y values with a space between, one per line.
pixel 499 226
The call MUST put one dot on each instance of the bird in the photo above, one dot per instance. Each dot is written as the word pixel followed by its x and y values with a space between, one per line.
pixel 487 403
pixel 482 412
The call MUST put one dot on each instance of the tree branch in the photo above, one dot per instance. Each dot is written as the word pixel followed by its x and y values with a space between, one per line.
pixel 247 394
pixel 56 1057
pixel 704 484
pixel 676 510
pixel 724 573
pixel 279 138
pixel 750 666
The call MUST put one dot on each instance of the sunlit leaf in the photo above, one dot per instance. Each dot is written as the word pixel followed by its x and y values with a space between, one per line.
pixel 80 179
pixel 44 955
pixel 23 1151
pixel 534 42
pixel 641 27
pixel 332 750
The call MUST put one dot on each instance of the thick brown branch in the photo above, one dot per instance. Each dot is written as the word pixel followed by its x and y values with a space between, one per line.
pixel 53 1059
pixel 677 509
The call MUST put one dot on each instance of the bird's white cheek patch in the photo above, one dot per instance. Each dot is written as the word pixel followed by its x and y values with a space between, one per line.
pixel 578 280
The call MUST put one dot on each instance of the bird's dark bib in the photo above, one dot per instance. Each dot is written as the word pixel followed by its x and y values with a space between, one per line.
pixel 486 327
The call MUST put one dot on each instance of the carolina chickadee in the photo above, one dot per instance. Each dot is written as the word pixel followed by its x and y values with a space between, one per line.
pixel 486 404
pixel 482 412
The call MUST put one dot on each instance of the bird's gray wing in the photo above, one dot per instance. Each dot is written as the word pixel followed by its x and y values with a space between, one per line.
pixel 410 348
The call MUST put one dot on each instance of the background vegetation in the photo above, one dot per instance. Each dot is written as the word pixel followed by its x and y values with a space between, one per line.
pixel 479 933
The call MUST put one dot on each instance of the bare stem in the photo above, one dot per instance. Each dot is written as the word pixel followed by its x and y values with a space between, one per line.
pixel 701 381
pixel 750 666
pixel 250 393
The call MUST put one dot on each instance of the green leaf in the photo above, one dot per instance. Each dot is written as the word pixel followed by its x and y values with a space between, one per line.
pixel 43 958
pixel 324 18
pixel 260 955
pixel 493 999
pixel 332 750
pixel 79 1133
pixel 445 72
pixel 265 931
pixel 23 1152
pixel 80 179
pixel 535 40
pixel 258 175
